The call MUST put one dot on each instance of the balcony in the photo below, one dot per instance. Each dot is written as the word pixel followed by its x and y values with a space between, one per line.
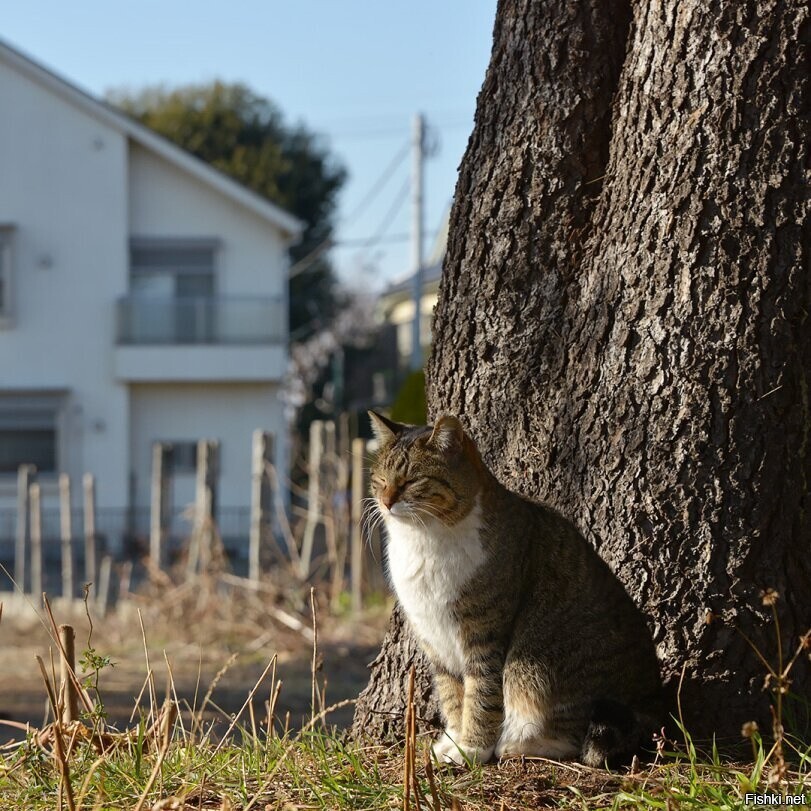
pixel 222 320
pixel 224 338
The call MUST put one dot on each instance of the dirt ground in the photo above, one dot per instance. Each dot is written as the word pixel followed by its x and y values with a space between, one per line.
pixel 192 638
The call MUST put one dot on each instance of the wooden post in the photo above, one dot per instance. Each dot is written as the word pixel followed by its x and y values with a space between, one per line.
pixel 125 580
pixel 70 700
pixel 344 437
pixel 327 486
pixel 261 455
pixel 103 598
pixel 36 541
pixel 159 497
pixel 89 488
pixel 356 561
pixel 313 495
pixel 343 508
pixel 330 441
pixel 25 474
pixel 205 500
pixel 66 536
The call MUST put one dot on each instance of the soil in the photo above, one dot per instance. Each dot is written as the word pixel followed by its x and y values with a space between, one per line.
pixel 195 657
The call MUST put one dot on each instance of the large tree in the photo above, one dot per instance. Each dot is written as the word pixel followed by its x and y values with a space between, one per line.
pixel 623 320
pixel 245 136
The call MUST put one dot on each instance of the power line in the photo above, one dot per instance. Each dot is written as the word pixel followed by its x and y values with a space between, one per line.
pixel 320 249
pixel 389 216
pixel 379 183
pixel 354 242
pixel 362 127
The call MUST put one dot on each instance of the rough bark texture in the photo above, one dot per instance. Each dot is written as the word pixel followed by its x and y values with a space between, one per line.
pixel 381 707
pixel 623 318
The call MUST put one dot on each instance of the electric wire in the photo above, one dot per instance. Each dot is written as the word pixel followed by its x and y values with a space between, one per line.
pixel 388 217
pixel 384 178
pixel 320 249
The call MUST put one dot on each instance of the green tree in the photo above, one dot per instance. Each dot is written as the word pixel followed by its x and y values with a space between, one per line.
pixel 245 136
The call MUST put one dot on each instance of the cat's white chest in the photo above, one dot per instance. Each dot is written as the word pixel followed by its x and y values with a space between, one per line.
pixel 429 566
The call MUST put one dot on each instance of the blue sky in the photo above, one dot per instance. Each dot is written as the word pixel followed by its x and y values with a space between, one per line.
pixel 354 70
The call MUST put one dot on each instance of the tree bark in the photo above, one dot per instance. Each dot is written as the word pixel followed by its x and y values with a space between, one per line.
pixel 623 316
pixel 380 711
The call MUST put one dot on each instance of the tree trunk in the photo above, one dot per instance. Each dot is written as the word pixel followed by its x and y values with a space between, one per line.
pixel 623 316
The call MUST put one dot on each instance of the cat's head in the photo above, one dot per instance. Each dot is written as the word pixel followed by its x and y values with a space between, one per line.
pixel 424 472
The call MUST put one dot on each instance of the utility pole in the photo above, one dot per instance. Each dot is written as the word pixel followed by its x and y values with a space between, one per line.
pixel 418 153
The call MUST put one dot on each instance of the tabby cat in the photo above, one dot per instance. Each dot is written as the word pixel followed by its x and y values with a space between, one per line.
pixel 536 647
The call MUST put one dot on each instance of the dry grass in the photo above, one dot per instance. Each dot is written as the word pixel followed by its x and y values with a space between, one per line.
pixel 187 753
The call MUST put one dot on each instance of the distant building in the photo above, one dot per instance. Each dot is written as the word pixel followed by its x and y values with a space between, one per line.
pixel 397 309
pixel 143 298
pixel 396 303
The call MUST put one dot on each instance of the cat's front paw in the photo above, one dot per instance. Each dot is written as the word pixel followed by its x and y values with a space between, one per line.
pixel 445 744
pixel 449 748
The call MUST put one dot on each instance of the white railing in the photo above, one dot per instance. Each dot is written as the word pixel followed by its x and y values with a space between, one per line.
pixel 200 320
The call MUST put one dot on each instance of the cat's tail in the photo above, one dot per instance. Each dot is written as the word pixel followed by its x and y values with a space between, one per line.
pixel 615 734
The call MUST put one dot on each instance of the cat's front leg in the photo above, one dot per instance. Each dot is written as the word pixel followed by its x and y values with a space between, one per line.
pixel 482 712
pixel 450 691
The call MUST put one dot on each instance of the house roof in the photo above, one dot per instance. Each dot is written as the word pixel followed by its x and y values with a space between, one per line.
pixel 290 226
pixel 403 290
pixel 430 276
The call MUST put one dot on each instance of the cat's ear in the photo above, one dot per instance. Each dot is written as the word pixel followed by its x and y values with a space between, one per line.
pixel 448 435
pixel 384 429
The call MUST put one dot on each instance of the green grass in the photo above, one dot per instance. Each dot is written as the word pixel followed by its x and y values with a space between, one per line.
pixel 316 769
pixel 175 758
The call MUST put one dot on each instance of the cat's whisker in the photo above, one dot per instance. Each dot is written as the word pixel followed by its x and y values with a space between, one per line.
pixel 370 520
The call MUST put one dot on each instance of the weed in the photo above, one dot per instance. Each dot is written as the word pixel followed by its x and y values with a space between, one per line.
pixel 173 758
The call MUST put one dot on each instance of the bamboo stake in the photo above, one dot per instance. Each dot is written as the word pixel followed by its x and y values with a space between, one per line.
pixel 356 562
pixel 313 496
pixel 342 503
pixel 35 506
pixel 89 487
pixel 200 549
pixel 157 502
pixel 66 533
pixel 282 520
pixel 67 658
pixel 59 751
pixel 25 473
pixel 261 455
pixel 328 504
pixel 330 440
pixel 105 570
pixel 125 580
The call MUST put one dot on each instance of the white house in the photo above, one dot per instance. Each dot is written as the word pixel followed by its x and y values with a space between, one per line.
pixel 142 299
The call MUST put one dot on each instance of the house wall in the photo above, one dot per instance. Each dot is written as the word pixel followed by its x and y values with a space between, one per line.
pixel 189 412
pixel 166 202
pixel 402 315
pixel 252 260
pixel 76 190
pixel 63 177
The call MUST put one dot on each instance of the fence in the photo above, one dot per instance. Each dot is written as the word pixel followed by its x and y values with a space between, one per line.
pixel 59 548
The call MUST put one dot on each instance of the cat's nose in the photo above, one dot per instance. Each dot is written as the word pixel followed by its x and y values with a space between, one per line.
pixel 389 497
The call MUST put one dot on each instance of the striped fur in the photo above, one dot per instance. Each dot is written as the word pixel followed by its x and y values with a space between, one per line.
pixel 536 647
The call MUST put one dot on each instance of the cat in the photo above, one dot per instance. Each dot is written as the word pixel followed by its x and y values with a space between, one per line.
pixel 536 648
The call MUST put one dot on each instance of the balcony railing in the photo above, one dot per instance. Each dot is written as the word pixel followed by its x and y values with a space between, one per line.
pixel 152 320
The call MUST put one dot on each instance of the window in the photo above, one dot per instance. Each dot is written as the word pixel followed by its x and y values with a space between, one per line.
pixel 28 446
pixel 184 456
pixel 29 432
pixel 172 268
pixel 6 257
pixel 175 281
